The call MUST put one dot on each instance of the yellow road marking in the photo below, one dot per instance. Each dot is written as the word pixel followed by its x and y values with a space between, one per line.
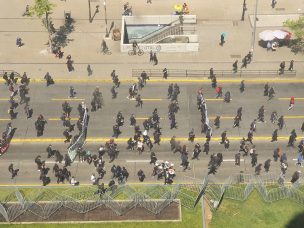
pixel 175 80
pixel 288 98
pixel 103 139
pixel 3 99
pixel 223 117
pixel 293 117
pixel 214 99
pixel 67 99
pixel 144 118
pixel 58 119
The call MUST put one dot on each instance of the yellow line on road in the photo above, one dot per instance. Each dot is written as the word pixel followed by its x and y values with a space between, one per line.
pixel 144 118
pixel 232 117
pixel 294 117
pixel 165 139
pixel 3 99
pixel 5 119
pixel 223 117
pixel 214 99
pixel 288 98
pixel 58 119
pixel 67 99
pixel 174 80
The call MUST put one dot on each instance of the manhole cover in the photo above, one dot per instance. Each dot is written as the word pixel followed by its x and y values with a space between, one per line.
pixel 235 56
pixel 280 9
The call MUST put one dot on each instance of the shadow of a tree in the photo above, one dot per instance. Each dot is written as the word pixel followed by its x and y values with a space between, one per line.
pixel 297 46
pixel 296 222
pixel 60 38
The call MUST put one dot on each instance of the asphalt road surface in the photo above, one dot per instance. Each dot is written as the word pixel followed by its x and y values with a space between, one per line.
pixel 47 101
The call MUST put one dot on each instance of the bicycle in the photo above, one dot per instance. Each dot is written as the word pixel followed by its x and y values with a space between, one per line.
pixel 134 52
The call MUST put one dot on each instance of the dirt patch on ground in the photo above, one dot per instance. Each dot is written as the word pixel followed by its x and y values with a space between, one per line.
pixel 101 213
pixel 208 214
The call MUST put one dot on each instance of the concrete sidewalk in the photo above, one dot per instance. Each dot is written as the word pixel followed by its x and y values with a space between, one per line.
pixel 84 42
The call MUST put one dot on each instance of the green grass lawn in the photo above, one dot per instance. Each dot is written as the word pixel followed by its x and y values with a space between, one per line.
pixel 255 213
pixel 190 218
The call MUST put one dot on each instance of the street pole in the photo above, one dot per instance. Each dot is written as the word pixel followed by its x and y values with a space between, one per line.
pixel 244 9
pixel 254 26
pixel 90 16
pixel 106 19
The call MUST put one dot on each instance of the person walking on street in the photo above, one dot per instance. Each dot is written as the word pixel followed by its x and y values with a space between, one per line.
pixel 151 57
pixel 89 70
pixel 291 103
pixel 211 73
pixel 244 62
pixel 72 92
pixel 217 122
pixel 114 93
pixel 235 66
pixel 155 60
pixel 266 89
pixel 271 93
pixel 49 79
pixel 282 67
pixel 165 73
pixel 274 136
pixel 139 101
pixel 222 39
pixel 281 122
pixel 290 68
pixel 242 86
pixel 219 91
pixel 273 3
pixel 13 171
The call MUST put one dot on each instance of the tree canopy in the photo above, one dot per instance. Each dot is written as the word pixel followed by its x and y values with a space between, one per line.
pixel 297 27
pixel 41 7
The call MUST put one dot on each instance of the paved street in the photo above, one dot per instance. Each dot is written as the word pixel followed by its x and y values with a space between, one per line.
pixel 213 18
pixel 47 101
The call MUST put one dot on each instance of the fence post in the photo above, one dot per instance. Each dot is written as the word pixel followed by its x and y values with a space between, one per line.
pixel 186 73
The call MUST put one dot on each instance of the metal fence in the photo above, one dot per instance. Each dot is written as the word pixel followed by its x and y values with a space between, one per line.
pixel 43 202
pixel 158 73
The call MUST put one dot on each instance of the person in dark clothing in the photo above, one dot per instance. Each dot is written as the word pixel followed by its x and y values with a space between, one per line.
pixel 235 66
pixel 258 169
pixel 206 147
pixel 141 175
pixel 14 172
pixel 290 68
pixel 267 165
pixel 242 86
pixel 274 136
pixel 49 79
pixel 217 122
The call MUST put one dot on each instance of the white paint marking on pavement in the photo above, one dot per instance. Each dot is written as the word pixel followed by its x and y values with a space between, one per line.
pixel 53 162
pixel 144 161
pixel 231 160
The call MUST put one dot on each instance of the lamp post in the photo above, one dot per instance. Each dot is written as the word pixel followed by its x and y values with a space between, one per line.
pixel 244 9
pixel 254 26
pixel 106 19
pixel 90 14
